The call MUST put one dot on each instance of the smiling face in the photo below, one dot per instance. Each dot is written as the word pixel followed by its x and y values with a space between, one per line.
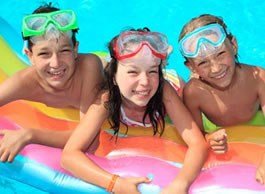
pixel 54 60
pixel 217 69
pixel 138 77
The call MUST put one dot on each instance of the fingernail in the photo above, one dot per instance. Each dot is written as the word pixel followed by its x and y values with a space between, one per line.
pixel 150 176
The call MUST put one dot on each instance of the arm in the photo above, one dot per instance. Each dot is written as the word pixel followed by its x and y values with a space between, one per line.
pixel 197 147
pixel 84 168
pixel 218 139
pixel 13 141
pixel 92 75
pixel 260 174
pixel 261 88
pixel 20 86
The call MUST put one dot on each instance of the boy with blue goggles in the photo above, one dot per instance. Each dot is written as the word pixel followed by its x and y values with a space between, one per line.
pixel 203 41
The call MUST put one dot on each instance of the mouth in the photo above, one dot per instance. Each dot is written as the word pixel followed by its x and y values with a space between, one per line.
pixel 57 73
pixel 142 92
pixel 220 75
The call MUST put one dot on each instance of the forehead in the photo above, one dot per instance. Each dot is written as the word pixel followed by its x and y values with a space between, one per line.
pixel 144 58
pixel 40 42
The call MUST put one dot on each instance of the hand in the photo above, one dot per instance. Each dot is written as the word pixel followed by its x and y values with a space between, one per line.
pixel 260 174
pixel 129 185
pixel 12 142
pixel 218 141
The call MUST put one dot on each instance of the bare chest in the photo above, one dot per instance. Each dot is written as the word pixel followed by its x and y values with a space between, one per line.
pixel 231 108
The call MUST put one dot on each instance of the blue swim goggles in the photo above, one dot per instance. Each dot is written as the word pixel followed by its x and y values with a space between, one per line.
pixel 203 41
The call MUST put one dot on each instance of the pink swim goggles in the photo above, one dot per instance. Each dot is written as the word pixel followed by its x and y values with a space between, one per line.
pixel 129 43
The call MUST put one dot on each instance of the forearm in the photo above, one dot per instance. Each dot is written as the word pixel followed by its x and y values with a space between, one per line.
pixel 51 138
pixel 84 168
pixel 193 163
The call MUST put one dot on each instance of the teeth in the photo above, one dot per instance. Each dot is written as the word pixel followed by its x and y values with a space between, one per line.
pixel 56 73
pixel 142 92
pixel 220 76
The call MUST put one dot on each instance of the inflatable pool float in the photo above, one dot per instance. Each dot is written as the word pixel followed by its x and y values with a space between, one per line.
pixel 134 154
pixel 39 166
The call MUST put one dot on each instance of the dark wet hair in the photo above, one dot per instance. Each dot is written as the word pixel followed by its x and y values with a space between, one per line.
pixel 155 107
pixel 47 8
pixel 203 20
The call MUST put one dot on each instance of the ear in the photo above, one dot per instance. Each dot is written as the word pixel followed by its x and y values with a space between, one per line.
pixel 194 73
pixel 76 49
pixel 29 54
pixel 234 45
pixel 169 50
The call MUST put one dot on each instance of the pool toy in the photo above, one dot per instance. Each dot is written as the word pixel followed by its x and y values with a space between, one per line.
pixel 39 166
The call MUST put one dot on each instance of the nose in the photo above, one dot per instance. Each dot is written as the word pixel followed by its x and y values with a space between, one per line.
pixel 215 67
pixel 144 79
pixel 54 62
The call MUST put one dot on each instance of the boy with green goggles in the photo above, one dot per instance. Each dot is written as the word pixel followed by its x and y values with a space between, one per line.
pixel 36 24
pixel 57 71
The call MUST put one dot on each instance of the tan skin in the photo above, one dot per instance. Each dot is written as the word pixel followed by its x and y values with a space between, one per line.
pixel 59 77
pixel 233 94
pixel 137 84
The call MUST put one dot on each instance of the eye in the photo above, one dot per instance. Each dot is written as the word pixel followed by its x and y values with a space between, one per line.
pixel 65 50
pixel 154 71
pixel 132 72
pixel 43 54
pixel 202 63
pixel 221 53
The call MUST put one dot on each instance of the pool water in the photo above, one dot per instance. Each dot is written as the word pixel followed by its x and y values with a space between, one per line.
pixel 8 186
pixel 100 20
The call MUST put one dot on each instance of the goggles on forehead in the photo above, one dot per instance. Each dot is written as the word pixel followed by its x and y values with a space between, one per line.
pixel 36 24
pixel 203 41
pixel 130 43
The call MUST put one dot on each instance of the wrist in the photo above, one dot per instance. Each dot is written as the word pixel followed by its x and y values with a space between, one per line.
pixel 28 136
pixel 112 183
pixel 181 184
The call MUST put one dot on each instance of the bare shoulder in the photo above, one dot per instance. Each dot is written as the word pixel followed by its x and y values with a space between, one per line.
pixel 90 68
pixel 90 62
pixel 25 76
pixel 255 72
pixel 193 87
pixel 19 86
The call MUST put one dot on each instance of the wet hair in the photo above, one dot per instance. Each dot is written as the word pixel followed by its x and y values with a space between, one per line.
pixel 203 20
pixel 47 8
pixel 113 105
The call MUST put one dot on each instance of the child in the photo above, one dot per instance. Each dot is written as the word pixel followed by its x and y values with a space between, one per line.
pixel 59 76
pixel 135 84
pixel 233 91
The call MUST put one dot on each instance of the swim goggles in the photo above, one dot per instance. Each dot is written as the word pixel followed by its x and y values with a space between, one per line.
pixel 203 41
pixel 36 24
pixel 129 43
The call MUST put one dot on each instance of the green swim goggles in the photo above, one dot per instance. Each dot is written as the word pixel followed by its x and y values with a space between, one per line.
pixel 36 24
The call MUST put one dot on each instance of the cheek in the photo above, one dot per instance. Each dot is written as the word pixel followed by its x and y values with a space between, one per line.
pixel 39 63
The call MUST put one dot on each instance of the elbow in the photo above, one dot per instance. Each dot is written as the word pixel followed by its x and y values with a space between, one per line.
pixel 66 159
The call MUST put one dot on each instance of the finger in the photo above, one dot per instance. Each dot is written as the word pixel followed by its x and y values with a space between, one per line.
pixel 142 180
pixel 259 178
pixel 11 157
pixel 219 151
pixel 4 156
pixel 2 132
